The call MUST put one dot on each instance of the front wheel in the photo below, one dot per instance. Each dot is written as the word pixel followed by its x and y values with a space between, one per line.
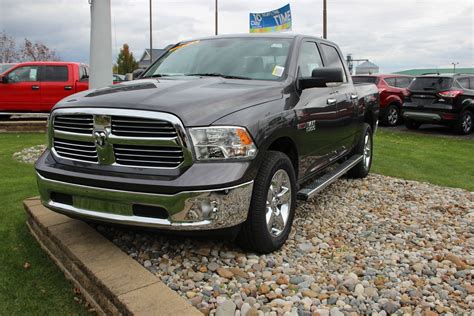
pixel 272 207
pixel 364 147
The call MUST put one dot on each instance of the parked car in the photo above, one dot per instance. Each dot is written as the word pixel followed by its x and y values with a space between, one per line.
pixel 5 67
pixel 38 86
pixel 441 99
pixel 222 133
pixel 393 90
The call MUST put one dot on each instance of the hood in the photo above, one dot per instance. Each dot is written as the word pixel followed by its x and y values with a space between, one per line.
pixel 197 102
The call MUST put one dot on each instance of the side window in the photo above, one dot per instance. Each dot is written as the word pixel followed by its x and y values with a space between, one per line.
pixel 471 85
pixel 391 81
pixel 309 59
pixel 24 74
pixel 333 59
pixel 464 82
pixel 55 74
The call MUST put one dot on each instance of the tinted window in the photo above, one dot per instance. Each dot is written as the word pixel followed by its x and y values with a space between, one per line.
pixel 359 79
pixel 55 73
pixel 309 59
pixel 471 85
pixel 391 81
pixel 332 58
pixel 403 82
pixel 24 74
pixel 464 82
pixel 431 83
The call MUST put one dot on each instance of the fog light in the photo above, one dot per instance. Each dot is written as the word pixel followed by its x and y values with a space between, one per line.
pixel 202 209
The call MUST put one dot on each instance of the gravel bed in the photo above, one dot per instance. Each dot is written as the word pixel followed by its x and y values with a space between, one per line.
pixel 30 154
pixel 376 246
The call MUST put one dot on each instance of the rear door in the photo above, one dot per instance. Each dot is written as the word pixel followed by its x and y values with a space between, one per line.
pixel 22 91
pixel 56 83
pixel 345 96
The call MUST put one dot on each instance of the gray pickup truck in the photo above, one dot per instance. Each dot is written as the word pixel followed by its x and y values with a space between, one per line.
pixel 220 134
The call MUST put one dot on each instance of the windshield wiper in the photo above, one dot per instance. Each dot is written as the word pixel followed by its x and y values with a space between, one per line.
pixel 215 74
pixel 157 76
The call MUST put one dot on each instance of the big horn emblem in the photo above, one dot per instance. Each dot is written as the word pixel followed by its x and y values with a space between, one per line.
pixel 100 138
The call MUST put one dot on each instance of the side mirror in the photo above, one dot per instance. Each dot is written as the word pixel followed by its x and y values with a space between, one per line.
pixel 4 79
pixel 320 77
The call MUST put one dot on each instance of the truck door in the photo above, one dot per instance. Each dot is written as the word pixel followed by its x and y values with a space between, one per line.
pixel 346 99
pixel 57 82
pixel 21 92
pixel 316 112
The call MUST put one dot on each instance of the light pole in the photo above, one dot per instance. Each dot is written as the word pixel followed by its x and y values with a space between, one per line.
pixel 217 28
pixel 151 37
pixel 100 44
pixel 325 20
pixel 454 66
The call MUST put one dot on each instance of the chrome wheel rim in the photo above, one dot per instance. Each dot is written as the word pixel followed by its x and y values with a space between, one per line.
pixel 467 123
pixel 278 203
pixel 367 151
pixel 392 116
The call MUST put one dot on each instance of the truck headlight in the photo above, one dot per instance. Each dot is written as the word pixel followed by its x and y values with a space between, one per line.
pixel 212 143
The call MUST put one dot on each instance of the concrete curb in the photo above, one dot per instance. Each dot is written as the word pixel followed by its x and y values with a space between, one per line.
pixel 110 280
pixel 22 126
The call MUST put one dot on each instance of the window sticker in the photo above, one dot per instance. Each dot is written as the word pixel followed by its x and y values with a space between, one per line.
pixel 33 72
pixel 278 71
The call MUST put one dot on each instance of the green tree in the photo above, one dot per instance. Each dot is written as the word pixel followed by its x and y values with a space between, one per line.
pixel 126 63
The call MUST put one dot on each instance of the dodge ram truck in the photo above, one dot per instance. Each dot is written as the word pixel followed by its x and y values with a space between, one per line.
pixel 220 134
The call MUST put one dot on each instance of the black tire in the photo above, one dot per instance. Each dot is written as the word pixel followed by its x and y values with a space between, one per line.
pixel 362 169
pixel 464 125
pixel 411 124
pixel 391 115
pixel 254 234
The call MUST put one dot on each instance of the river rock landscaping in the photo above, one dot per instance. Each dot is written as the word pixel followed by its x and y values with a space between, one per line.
pixel 377 246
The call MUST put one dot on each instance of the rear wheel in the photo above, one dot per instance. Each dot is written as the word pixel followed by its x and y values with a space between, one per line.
pixel 410 124
pixel 464 125
pixel 273 205
pixel 391 116
pixel 364 148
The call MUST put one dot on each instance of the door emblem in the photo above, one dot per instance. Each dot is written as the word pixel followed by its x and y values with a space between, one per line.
pixel 100 138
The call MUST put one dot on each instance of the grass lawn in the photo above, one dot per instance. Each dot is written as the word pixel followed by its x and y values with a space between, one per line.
pixel 41 289
pixel 440 160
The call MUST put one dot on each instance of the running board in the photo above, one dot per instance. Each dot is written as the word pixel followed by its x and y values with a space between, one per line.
pixel 320 183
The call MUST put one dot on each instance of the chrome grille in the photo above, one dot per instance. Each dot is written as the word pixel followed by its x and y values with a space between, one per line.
pixel 151 156
pixel 75 149
pixel 141 127
pixel 81 124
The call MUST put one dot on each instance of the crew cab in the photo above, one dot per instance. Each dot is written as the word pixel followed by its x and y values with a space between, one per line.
pixel 441 99
pixel 221 134
pixel 38 86
pixel 393 90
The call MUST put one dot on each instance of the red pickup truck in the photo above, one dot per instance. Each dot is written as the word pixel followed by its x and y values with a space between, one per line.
pixel 38 86
pixel 393 90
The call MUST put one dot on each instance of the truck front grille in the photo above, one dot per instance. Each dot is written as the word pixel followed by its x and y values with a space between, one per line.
pixel 77 150
pixel 141 127
pixel 152 156
pixel 81 124
pixel 129 138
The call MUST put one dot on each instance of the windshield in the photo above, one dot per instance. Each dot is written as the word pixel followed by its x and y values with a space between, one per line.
pixel 240 58
pixel 431 84
pixel 5 67
pixel 358 79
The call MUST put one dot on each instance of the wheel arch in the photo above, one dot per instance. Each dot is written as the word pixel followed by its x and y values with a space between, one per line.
pixel 287 146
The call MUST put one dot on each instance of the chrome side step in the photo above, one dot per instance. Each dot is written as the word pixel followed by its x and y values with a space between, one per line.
pixel 320 183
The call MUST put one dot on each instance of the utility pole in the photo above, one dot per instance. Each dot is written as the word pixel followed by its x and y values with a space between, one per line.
pixel 217 28
pixel 454 66
pixel 100 44
pixel 151 37
pixel 325 20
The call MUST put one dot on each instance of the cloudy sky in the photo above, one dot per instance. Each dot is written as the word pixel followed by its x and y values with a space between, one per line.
pixel 396 35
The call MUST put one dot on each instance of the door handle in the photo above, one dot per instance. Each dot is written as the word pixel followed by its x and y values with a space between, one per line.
pixel 331 101
pixel 35 87
pixel 67 87
pixel 354 96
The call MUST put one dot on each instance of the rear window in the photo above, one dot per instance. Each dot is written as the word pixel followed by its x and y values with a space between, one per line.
pixel 55 73
pixel 431 84
pixel 365 79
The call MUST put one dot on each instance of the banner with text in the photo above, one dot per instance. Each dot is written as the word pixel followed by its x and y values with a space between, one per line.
pixel 273 21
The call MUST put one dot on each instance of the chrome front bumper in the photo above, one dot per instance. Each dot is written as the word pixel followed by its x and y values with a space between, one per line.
pixel 190 210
